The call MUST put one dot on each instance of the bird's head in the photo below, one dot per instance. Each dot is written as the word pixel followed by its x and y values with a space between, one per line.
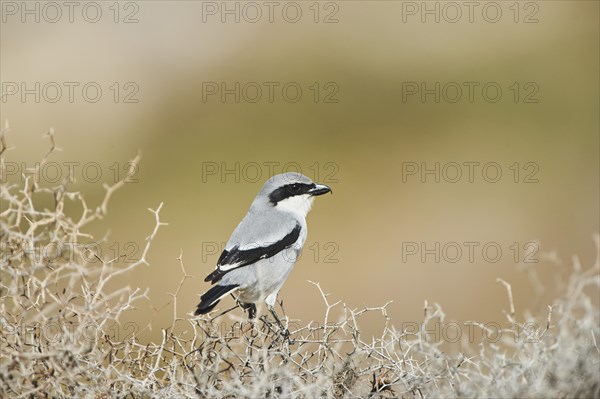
pixel 292 192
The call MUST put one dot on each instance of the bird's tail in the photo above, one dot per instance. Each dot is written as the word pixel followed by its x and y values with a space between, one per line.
pixel 211 298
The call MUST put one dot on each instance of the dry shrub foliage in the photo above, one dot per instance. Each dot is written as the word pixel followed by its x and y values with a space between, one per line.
pixel 57 317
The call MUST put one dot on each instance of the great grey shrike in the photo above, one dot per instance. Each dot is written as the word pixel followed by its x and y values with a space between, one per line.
pixel 264 247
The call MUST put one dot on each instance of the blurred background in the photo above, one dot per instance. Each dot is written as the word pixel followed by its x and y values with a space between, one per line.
pixel 390 103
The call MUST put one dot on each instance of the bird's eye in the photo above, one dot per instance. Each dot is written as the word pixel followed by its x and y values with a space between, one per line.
pixel 295 187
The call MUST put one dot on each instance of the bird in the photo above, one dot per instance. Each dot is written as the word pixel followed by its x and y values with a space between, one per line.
pixel 264 247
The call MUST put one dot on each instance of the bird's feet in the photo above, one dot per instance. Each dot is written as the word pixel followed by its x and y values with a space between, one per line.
pixel 285 333
pixel 250 308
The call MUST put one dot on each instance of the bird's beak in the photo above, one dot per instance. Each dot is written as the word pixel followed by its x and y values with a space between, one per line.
pixel 319 189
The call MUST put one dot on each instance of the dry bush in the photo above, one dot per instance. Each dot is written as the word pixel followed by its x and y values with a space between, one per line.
pixel 57 315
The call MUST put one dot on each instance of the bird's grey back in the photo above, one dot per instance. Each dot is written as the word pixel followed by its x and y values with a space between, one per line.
pixel 260 227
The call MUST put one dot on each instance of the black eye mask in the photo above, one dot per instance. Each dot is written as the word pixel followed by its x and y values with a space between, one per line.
pixel 289 190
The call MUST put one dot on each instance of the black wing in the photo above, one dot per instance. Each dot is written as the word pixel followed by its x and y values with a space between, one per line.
pixel 235 258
